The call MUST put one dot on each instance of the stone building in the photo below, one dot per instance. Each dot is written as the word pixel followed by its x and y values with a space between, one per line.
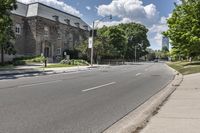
pixel 43 30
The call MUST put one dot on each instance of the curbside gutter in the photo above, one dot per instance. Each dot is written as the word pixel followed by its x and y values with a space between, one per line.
pixel 40 72
pixel 137 119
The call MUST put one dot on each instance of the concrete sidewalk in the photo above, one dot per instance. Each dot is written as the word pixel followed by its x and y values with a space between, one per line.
pixel 36 69
pixel 181 112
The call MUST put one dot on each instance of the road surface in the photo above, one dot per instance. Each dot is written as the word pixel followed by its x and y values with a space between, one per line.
pixel 79 102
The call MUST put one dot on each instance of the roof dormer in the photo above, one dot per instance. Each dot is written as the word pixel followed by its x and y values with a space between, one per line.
pixel 77 24
pixel 56 17
pixel 85 27
pixel 67 21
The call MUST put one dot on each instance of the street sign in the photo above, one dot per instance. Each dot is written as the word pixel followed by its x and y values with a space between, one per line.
pixel 90 42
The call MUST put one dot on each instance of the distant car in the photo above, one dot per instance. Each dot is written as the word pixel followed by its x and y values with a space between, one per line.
pixel 155 60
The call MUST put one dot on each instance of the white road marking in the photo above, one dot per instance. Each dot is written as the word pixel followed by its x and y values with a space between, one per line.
pixel 93 88
pixel 138 74
pixel 42 83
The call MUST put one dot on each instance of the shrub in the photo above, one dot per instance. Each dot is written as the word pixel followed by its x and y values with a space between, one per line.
pixel 74 62
pixel 65 61
pixel 28 59
pixel 19 62
pixel 37 59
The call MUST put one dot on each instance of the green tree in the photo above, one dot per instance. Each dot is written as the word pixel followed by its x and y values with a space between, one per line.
pixel 151 54
pixel 165 49
pixel 136 34
pixel 102 47
pixel 184 28
pixel 112 42
pixel 118 39
pixel 6 33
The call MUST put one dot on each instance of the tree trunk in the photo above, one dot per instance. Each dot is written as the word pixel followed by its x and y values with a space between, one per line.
pixel 2 55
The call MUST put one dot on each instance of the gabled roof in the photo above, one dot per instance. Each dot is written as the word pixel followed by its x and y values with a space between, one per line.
pixel 42 10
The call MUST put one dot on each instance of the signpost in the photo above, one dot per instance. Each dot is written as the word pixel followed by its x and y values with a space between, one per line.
pixel 90 42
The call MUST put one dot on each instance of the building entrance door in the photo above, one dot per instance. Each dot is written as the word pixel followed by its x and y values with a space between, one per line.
pixel 46 52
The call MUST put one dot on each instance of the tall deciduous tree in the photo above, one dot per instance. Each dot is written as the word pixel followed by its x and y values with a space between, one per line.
pixel 137 39
pixel 112 42
pixel 6 33
pixel 184 28
pixel 117 38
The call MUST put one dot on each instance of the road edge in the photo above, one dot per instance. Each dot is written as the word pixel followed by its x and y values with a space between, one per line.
pixel 139 117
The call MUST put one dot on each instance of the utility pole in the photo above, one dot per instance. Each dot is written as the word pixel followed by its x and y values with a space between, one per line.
pixel 92 48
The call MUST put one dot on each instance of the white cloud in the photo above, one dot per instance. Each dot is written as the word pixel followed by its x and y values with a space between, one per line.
pixel 132 9
pixel 178 1
pixel 135 11
pixel 56 4
pixel 157 29
pixel 112 23
pixel 88 7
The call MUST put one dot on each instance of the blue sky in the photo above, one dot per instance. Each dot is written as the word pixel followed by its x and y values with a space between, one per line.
pixel 151 13
pixel 163 6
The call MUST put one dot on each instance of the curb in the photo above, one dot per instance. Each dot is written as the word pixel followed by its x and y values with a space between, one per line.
pixel 46 72
pixel 40 73
pixel 21 73
pixel 137 119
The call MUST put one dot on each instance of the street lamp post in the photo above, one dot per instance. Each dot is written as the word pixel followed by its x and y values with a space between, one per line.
pixel 93 28
pixel 135 54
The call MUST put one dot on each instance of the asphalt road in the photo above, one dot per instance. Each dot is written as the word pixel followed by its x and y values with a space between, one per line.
pixel 80 102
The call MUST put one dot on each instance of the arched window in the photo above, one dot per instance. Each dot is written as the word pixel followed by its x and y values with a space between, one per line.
pixel 18 29
pixel 71 37
pixel 46 31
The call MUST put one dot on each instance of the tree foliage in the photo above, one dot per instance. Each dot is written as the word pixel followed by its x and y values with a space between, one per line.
pixel 6 32
pixel 136 34
pixel 119 42
pixel 184 28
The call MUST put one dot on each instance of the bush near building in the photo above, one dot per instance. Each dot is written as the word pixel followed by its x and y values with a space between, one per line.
pixel 26 60
pixel 75 62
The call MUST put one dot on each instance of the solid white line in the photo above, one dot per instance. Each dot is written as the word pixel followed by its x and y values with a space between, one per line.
pixel 39 83
pixel 138 74
pixel 93 88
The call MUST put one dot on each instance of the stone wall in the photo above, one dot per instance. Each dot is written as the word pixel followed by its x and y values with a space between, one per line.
pixel 61 36
pixel 32 39
pixel 19 38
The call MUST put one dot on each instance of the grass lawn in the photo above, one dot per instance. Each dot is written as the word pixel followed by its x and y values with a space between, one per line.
pixel 4 67
pixel 58 65
pixel 185 67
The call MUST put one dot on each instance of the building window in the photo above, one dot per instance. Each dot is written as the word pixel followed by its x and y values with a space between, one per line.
pixel 58 51
pixel 71 37
pixel 77 24
pixel 56 17
pixel 59 35
pixel 86 27
pixel 46 31
pixel 80 38
pixel 18 29
pixel 67 21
